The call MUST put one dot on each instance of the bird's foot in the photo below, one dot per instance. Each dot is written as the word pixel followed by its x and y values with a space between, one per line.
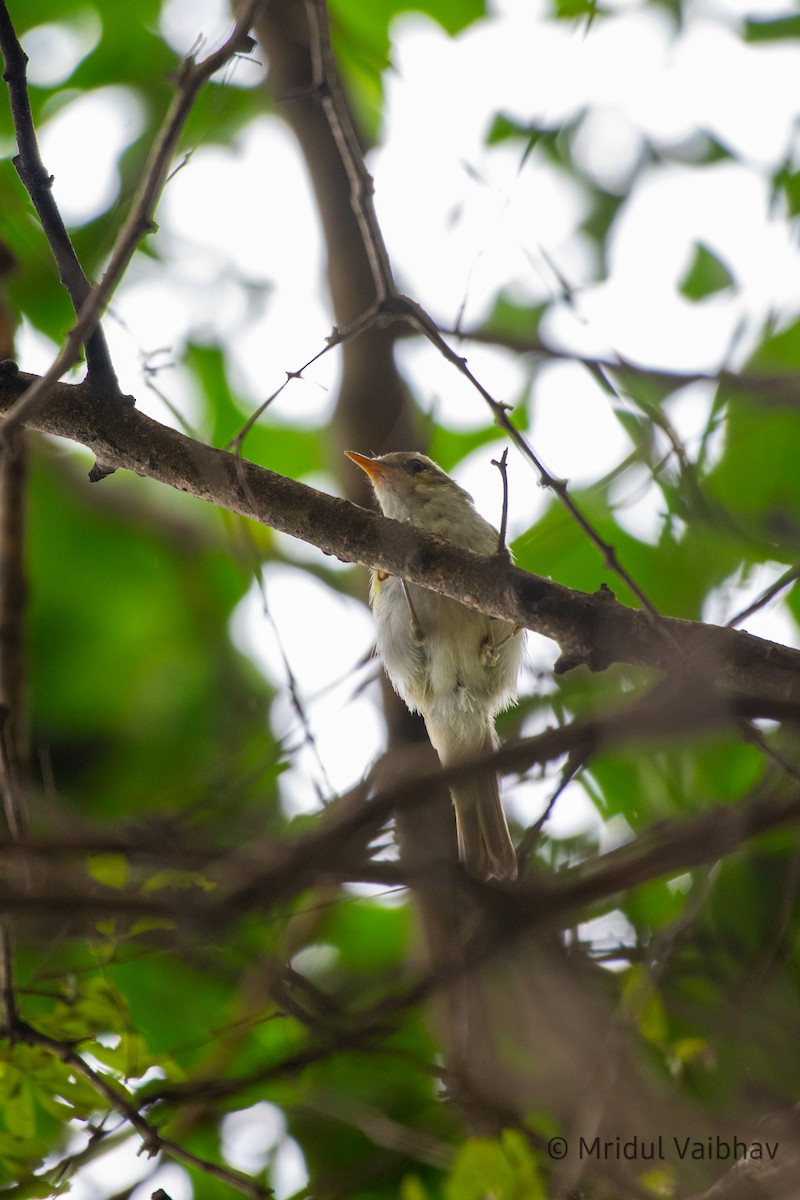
pixel 490 651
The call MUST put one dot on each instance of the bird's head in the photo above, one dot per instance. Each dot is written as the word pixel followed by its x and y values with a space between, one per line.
pixel 411 487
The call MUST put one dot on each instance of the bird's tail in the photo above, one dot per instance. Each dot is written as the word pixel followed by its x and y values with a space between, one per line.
pixel 484 843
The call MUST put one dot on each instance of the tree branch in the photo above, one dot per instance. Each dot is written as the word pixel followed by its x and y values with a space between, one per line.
pixel 329 91
pixel 592 630
pixel 778 389
pixel 192 78
pixel 39 186
pixel 389 304
pixel 152 1140
pixel 275 872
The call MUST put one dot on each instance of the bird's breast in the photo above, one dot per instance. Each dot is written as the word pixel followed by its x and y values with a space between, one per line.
pixel 450 664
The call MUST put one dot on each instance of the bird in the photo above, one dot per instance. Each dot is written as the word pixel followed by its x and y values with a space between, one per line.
pixel 455 666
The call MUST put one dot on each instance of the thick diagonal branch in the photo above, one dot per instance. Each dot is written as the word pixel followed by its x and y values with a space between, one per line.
pixel 593 630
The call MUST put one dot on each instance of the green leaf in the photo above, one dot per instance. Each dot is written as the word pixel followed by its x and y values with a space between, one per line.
pixel 511 319
pixel 757 477
pixel 109 869
pixel 660 1182
pixel 771 29
pixel 689 1049
pixel 788 181
pixel 568 10
pixel 16 1109
pixel 128 1059
pixel 171 877
pixel 601 217
pixel 504 1169
pixel 644 1006
pixel 504 128
pixel 779 349
pixel 706 275
pixel 412 1188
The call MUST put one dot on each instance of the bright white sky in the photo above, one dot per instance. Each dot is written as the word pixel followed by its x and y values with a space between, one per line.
pixel 460 222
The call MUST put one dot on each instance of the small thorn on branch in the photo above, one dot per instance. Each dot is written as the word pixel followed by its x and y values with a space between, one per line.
pixel 100 471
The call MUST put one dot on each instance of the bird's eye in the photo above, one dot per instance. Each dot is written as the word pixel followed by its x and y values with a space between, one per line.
pixel 415 465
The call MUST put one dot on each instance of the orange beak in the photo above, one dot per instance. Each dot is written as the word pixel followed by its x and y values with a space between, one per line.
pixel 376 470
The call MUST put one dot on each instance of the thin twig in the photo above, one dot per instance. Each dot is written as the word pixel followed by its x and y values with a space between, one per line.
pixel 153 1141
pixel 673 848
pixel 502 466
pixel 39 186
pixel 327 86
pixel 13 798
pixel 417 632
pixel 658 417
pixel 395 306
pixel 292 683
pixel 764 598
pixel 191 79
pixel 776 388
pixel 575 763
pixel 379 1128
pixel 756 738
pixel 8 998
pixel 420 319
pixel 101 1141
pixel 398 307
pixel 336 337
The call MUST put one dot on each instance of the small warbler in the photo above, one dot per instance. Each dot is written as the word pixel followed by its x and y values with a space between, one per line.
pixel 455 666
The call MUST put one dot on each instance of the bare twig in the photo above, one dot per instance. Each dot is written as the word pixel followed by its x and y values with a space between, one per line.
pixel 712 834
pixel 8 998
pixel 753 735
pixel 336 337
pixel 574 764
pixel 627 388
pixel 381 1129
pixel 153 1141
pixel 768 594
pixel 291 680
pixel 395 306
pixel 39 184
pixel 417 316
pixel 776 388
pixel 101 1141
pixel 328 88
pixel 191 79
pixel 502 466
